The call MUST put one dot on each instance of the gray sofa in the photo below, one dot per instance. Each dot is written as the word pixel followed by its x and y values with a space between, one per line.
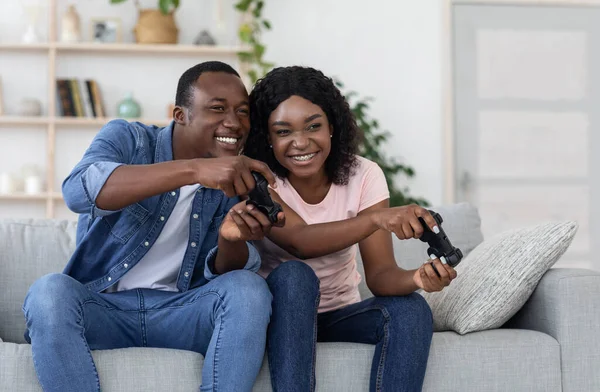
pixel 552 344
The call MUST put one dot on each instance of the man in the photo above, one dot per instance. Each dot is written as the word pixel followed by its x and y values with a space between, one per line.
pixel 159 260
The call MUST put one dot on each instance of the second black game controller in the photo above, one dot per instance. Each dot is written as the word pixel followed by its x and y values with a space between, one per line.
pixel 439 244
pixel 260 198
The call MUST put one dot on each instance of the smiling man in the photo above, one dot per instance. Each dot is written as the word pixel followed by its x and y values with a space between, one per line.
pixel 159 260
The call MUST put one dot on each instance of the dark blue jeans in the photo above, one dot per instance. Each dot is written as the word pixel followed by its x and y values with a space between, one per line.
pixel 225 320
pixel 400 327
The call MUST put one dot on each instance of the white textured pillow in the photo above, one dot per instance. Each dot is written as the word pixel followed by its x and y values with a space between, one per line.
pixel 495 280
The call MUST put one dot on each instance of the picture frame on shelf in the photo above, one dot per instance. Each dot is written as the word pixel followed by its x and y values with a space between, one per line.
pixel 106 30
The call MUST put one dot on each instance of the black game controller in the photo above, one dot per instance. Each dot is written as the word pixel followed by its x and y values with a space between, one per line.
pixel 260 198
pixel 439 244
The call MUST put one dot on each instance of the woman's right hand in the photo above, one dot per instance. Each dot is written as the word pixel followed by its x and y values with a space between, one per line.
pixel 428 280
pixel 404 221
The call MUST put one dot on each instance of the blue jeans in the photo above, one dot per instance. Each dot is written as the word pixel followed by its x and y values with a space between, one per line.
pixel 400 327
pixel 225 320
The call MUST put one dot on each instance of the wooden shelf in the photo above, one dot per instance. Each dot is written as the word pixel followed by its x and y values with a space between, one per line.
pixel 51 124
pixel 71 121
pixel 25 47
pixel 23 121
pixel 120 48
pixel 77 121
pixel 20 196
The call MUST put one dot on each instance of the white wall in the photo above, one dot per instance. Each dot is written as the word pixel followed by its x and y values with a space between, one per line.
pixel 390 50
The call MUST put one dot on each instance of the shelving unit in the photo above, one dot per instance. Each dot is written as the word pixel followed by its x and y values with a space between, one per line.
pixel 53 124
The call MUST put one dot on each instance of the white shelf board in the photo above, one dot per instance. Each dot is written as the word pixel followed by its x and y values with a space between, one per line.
pixel 133 49
pixel 24 47
pixel 71 121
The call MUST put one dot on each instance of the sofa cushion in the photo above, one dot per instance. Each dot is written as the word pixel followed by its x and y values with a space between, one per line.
pixel 29 249
pixel 462 225
pixel 500 360
pixel 497 278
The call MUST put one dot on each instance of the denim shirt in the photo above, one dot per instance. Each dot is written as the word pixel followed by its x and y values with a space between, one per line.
pixel 109 243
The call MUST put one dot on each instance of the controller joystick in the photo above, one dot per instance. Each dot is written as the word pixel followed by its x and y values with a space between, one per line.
pixel 260 198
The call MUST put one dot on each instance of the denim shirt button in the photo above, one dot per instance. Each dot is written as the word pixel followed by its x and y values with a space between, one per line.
pixel 146 243
pixel 187 274
pixel 195 216
pixel 162 218
pixel 109 278
pixel 173 193
pixel 193 244
pixel 125 265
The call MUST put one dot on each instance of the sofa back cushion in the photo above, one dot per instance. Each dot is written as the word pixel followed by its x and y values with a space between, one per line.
pixel 29 249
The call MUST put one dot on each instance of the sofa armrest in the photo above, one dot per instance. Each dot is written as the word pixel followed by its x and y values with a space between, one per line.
pixel 566 306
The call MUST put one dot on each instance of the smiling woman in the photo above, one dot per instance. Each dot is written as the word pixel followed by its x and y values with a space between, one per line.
pixel 335 202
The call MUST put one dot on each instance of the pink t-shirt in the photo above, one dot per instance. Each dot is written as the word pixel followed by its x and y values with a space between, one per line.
pixel 337 271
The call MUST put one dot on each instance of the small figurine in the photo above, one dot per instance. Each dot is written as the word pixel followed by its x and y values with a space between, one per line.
pixel 71 26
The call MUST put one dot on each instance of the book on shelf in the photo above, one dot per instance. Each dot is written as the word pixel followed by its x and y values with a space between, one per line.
pixel 78 98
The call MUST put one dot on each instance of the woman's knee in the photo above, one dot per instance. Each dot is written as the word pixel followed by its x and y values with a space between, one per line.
pixel 294 278
pixel 410 310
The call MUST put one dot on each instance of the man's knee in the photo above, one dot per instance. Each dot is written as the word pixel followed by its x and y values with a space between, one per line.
pixel 295 279
pixel 49 298
pixel 246 292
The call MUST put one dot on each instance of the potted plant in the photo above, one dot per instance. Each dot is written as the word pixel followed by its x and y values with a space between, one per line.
pixel 156 26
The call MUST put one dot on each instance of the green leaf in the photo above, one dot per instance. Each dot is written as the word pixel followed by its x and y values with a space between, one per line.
pixel 245 33
pixel 267 24
pixel 245 56
pixel 116 1
pixel 258 9
pixel 164 6
pixel 175 3
pixel 243 5
pixel 259 50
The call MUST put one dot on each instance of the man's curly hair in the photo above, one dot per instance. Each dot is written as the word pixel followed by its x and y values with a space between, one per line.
pixel 311 84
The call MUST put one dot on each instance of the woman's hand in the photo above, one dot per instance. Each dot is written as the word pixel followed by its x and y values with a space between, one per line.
pixel 426 278
pixel 404 221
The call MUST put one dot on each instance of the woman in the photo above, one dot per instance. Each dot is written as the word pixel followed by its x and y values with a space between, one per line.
pixel 303 128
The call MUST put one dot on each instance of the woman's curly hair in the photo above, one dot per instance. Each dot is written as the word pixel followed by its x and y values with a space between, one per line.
pixel 312 85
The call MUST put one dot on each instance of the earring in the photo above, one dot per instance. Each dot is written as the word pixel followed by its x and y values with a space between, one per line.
pixel 270 146
pixel 331 135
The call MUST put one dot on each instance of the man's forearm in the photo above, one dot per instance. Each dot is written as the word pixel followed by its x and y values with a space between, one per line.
pixel 392 282
pixel 130 184
pixel 231 255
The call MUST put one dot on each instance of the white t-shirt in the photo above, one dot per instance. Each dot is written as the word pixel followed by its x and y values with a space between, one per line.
pixel 159 268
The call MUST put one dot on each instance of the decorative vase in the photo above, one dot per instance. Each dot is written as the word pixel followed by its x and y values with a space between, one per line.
pixel 129 108
pixel 154 27
pixel 31 35
pixel 204 38
pixel 71 26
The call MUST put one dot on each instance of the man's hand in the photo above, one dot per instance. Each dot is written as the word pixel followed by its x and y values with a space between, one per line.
pixel 404 221
pixel 246 223
pixel 232 175
pixel 426 278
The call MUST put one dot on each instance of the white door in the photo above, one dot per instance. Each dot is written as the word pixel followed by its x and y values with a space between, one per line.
pixel 527 117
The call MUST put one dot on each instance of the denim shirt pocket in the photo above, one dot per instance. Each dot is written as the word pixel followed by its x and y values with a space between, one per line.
pixel 215 222
pixel 125 224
